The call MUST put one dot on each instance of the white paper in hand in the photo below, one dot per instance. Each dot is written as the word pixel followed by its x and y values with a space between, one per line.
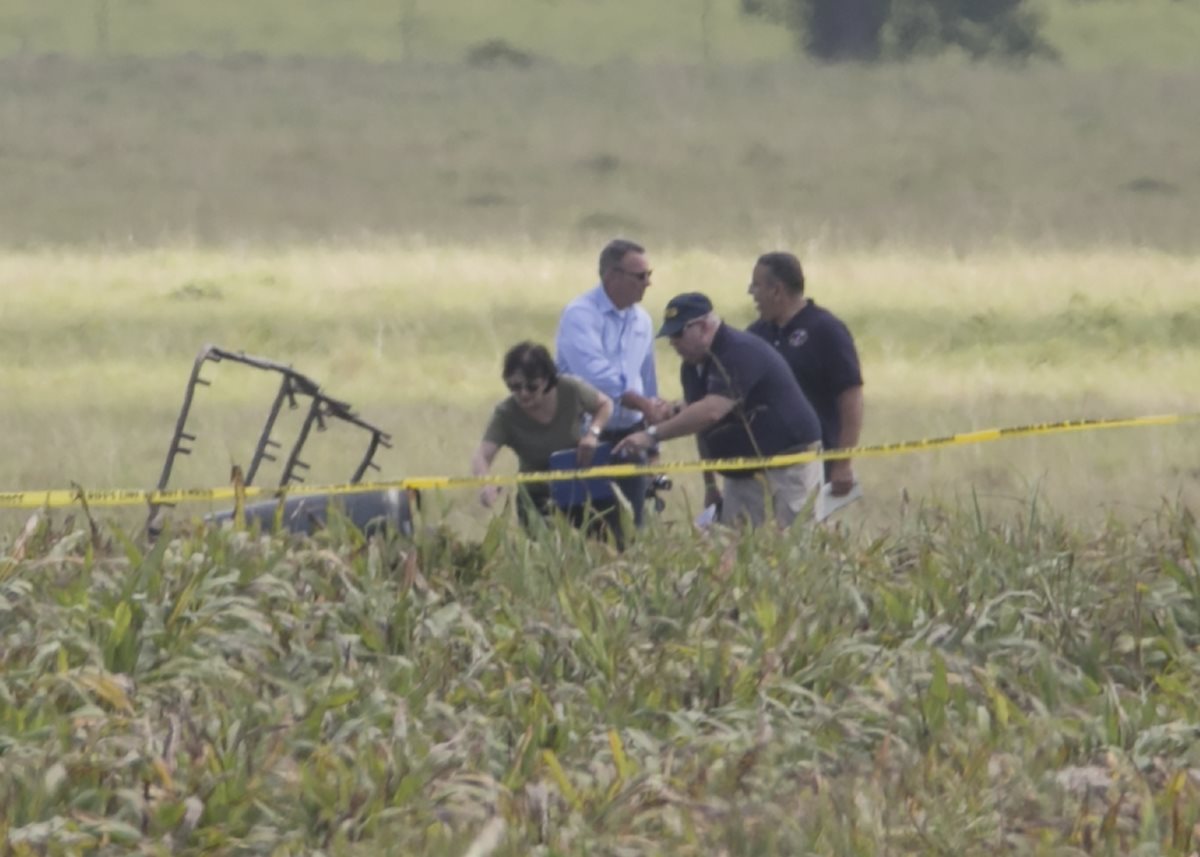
pixel 827 503
pixel 707 518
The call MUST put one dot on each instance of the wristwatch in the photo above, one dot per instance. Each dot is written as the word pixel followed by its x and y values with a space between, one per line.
pixel 652 431
pixel 595 431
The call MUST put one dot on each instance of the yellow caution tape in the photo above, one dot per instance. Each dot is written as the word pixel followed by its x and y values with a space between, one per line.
pixel 121 497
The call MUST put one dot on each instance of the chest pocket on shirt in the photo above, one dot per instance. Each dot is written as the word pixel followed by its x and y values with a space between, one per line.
pixel 638 342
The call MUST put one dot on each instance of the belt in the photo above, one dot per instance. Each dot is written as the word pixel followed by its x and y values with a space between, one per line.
pixel 815 446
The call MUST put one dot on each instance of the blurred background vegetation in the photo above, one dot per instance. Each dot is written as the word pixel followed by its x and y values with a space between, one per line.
pixel 691 122
pixel 1160 33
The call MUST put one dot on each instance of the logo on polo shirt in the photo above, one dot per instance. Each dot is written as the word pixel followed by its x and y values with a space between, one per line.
pixel 798 338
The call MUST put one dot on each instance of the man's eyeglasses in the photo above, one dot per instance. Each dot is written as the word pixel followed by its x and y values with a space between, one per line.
pixel 641 276
pixel 527 386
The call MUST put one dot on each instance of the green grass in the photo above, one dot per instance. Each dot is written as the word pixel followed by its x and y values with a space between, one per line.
pixel 967 685
pixel 994 651
pixel 408 30
pixel 1096 33
pixel 96 349
pixel 1123 33
pixel 930 155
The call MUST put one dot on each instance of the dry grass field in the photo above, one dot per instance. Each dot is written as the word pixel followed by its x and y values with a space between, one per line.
pixel 97 348
pixel 936 155
pixel 1009 245
pixel 994 652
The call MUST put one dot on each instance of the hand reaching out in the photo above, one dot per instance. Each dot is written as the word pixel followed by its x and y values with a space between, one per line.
pixel 660 410
pixel 586 450
pixel 632 444
pixel 488 495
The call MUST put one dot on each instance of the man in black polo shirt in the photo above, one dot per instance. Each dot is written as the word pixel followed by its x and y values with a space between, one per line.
pixel 820 351
pixel 742 402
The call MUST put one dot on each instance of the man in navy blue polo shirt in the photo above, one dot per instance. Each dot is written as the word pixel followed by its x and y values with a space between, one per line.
pixel 820 351
pixel 742 402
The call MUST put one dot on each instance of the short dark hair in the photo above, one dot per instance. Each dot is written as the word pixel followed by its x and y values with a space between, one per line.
pixel 531 360
pixel 784 267
pixel 616 250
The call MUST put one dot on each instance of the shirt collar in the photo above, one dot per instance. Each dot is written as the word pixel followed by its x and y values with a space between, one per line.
pixel 718 340
pixel 795 319
pixel 604 302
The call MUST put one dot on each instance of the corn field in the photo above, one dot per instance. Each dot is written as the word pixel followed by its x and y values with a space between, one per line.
pixel 958 686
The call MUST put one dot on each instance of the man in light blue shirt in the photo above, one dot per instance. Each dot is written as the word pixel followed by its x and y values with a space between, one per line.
pixel 606 339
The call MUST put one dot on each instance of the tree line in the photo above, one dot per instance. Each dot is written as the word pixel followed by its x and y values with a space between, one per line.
pixel 871 30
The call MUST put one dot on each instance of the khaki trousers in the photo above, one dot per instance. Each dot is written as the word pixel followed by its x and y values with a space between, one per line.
pixel 790 489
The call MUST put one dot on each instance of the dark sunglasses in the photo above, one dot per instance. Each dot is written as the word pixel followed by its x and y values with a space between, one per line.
pixel 528 386
pixel 642 276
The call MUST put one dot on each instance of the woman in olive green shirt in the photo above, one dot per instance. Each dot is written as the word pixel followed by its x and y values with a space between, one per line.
pixel 543 415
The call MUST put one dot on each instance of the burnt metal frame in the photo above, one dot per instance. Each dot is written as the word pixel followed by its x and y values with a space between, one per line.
pixel 293 385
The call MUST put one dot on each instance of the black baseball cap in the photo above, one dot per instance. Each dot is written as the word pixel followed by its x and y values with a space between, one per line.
pixel 682 309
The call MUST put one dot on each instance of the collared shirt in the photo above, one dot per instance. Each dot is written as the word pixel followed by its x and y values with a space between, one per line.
pixel 820 351
pixel 771 414
pixel 611 349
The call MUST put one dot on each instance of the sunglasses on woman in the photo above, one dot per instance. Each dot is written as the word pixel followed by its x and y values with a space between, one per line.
pixel 527 386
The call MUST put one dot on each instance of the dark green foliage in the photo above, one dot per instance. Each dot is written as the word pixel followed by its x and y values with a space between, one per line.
pixel 962 685
pixel 871 30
